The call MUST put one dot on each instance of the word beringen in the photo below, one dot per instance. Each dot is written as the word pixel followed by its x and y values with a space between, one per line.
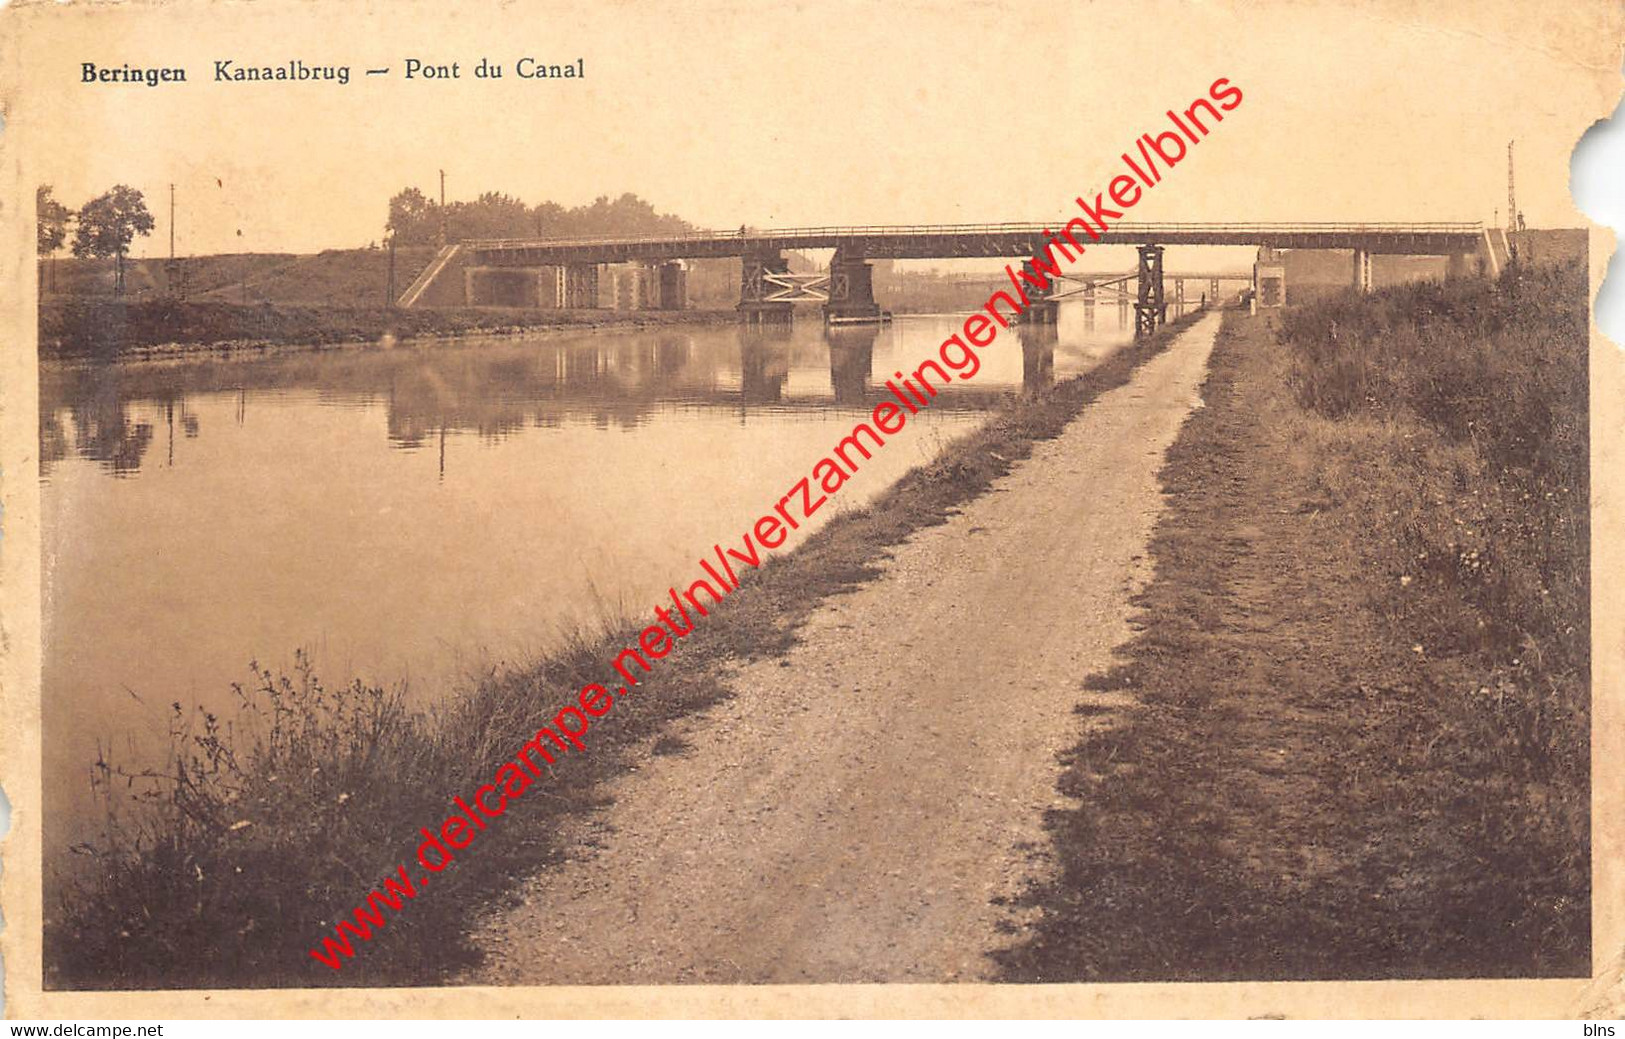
pixel 90 72
pixel 677 618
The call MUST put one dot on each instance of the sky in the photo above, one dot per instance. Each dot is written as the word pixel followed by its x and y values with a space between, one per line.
pixel 782 115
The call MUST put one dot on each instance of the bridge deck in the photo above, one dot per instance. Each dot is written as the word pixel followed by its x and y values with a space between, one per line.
pixel 941 241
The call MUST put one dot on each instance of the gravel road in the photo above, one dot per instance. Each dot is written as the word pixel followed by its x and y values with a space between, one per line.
pixel 860 809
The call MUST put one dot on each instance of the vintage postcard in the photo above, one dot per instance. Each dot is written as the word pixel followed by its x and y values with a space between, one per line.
pixel 939 509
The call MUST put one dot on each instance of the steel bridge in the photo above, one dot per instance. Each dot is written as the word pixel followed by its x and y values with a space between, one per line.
pixel 946 241
pixel 646 272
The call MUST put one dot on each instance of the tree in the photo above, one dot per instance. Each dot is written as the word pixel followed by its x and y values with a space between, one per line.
pixel 107 225
pixel 413 219
pixel 53 220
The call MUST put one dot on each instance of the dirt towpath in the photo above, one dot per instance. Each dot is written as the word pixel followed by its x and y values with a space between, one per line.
pixel 853 813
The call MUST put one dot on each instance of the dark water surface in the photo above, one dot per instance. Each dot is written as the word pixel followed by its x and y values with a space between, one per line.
pixel 418 513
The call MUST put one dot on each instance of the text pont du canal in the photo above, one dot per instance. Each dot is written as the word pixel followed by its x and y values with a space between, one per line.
pixel 524 68
pixel 230 70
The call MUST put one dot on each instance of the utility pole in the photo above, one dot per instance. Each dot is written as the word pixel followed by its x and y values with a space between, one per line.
pixel 174 277
pixel 442 208
pixel 1512 190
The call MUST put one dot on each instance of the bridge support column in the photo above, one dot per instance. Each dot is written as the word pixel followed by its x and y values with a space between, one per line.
pixel 631 286
pixel 851 290
pixel 1042 308
pixel 576 286
pixel 755 308
pixel 672 279
pixel 1458 266
pixel 1150 307
pixel 1362 271
pixel 1089 305
pixel 1269 279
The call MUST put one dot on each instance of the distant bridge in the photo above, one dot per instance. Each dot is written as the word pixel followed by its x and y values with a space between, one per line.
pixel 646 270
pixel 947 241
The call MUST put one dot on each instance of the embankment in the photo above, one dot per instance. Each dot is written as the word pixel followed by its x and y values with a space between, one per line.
pixel 1351 739
pixel 246 849
pixel 82 329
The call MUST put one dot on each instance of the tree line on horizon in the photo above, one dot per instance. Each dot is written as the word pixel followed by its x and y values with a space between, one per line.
pixel 416 219
pixel 106 225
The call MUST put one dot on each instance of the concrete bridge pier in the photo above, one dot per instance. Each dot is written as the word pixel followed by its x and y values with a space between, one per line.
pixel 756 307
pixel 1362 271
pixel 851 290
pixel 1150 307
pixel 1042 308
pixel 673 280
pixel 576 286
pixel 1459 265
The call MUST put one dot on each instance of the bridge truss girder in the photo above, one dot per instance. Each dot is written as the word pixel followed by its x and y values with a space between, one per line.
pixel 784 287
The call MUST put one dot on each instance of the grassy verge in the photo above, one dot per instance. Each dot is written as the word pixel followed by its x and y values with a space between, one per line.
pixel 1351 737
pixel 87 329
pixel 255 835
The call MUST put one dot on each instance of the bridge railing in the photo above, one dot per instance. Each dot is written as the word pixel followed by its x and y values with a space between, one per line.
pixel 1121 229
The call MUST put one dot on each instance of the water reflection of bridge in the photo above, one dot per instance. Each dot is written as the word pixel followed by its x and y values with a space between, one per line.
pixel 114 414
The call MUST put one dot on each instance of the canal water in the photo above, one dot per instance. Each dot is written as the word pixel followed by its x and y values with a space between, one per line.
pixel 420 514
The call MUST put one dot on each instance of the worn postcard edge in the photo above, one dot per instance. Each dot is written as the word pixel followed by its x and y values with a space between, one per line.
pixel 20 773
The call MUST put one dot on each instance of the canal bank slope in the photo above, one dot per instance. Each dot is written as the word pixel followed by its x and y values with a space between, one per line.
pixel 863 802
pixel 1349 739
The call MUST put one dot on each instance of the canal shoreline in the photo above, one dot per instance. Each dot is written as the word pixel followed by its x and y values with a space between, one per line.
pixel 79 333
pixel 175 907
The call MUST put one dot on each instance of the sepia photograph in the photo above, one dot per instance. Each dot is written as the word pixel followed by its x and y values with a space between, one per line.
pixel 946 509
